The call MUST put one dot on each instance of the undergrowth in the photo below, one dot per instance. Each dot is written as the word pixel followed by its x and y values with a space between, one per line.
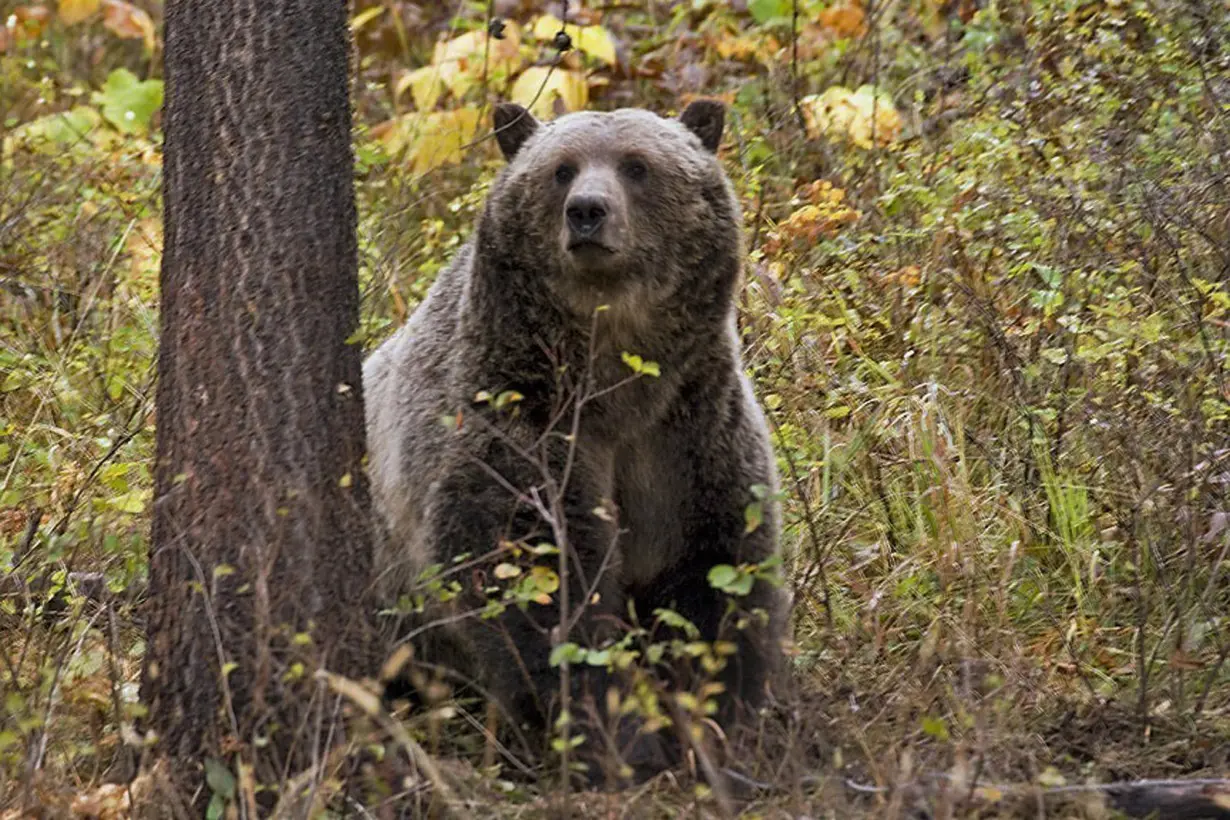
pixel 986 309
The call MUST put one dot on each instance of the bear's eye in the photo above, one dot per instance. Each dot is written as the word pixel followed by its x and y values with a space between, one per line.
pixel 635 168
pixel 565 174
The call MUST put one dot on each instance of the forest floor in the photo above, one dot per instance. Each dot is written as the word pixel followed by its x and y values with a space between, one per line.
pixel 987 310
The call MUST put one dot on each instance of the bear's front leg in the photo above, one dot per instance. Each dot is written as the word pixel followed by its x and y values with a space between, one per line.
pixel 512 510
pixel 724 459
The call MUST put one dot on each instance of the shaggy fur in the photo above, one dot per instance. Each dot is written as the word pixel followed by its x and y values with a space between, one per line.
pixel 671 459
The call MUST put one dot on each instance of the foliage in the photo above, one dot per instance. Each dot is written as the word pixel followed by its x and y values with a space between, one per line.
pixel 986 310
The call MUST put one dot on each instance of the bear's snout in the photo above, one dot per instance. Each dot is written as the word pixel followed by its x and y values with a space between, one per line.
pixel 593 220
pixel 585 214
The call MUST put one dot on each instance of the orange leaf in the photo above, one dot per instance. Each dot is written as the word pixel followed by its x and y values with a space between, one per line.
pixel 844 21
pixel 129 22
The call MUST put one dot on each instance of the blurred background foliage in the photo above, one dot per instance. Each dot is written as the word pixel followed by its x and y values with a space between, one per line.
pixel 987 308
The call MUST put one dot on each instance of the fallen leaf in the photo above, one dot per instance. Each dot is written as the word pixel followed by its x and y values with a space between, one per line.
pixel 104 803
pixel 55 132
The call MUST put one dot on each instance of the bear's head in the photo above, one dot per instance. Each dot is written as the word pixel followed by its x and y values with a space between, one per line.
pixel 624 206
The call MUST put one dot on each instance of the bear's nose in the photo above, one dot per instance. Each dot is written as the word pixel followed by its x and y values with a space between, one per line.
pixel 585 214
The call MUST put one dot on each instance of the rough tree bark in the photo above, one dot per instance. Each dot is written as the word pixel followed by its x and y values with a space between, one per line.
pixel 260 531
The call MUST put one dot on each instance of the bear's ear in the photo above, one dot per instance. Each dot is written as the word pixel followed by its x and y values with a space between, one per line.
pixel 705 119
pixel 513 126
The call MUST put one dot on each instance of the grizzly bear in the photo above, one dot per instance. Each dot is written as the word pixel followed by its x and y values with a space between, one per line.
pixel 573 379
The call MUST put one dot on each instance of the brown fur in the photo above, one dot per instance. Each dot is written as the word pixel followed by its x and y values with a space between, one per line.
pixel 633 212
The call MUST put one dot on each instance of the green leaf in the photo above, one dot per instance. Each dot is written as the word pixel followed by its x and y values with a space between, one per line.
pixel 742 586
pixel 764 11
pixel 506 398
pixel 731 580
pixel 65 129
pixel 722 576
pixel 569 652
pixel 131 502
pixel 935 727
pixel 128 103
pixel 217 807
pixel 676 621
pixel 639 366
pixel 574 741
pixel 218 776
pixel 753 517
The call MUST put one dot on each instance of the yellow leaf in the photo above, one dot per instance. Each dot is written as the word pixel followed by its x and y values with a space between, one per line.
pixel 129 22
pixel 539 87
pixel 545 579
pixel 505 571
pixel 355 692
pixel 731 47
pixel 364 17
pixel 430 139
pixel 462 60
pixel 595 41
pixel 74 11
pixel 546 26
pixel 990 794
pixel 426 84
pixel 144 247
pixel 858 115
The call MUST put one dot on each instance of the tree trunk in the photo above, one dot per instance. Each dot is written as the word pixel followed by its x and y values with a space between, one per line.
pixel 260 532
